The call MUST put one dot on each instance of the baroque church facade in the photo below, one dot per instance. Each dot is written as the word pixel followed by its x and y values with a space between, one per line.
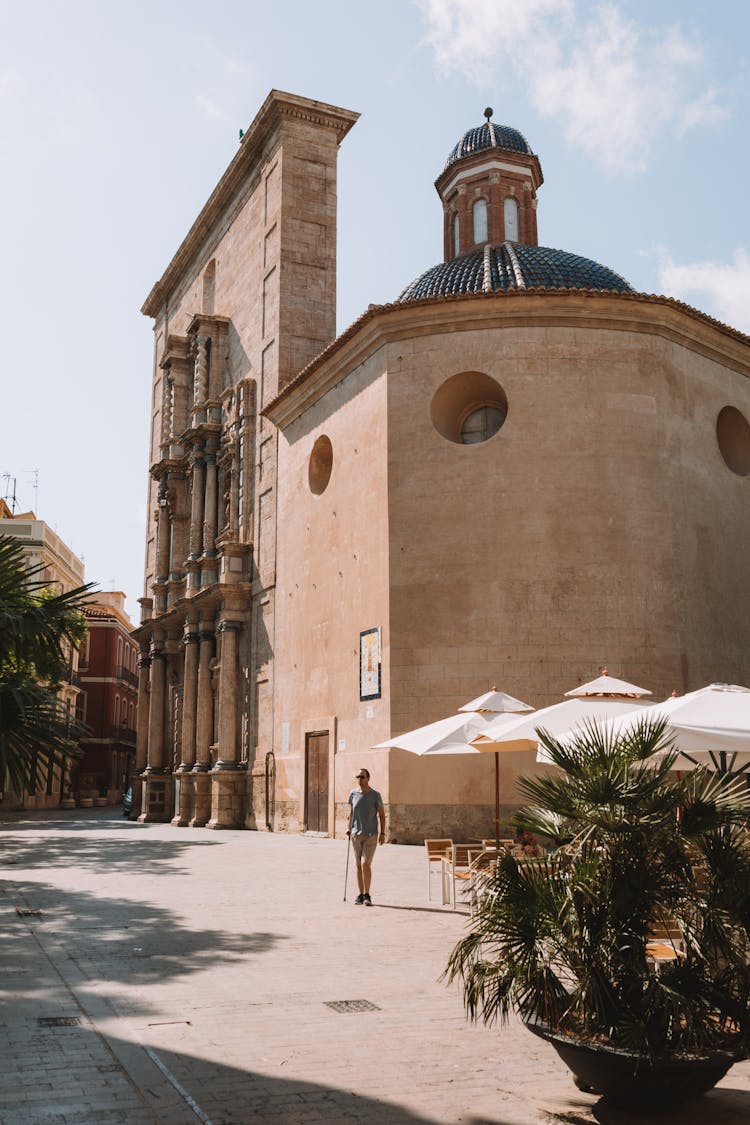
pixel 516 472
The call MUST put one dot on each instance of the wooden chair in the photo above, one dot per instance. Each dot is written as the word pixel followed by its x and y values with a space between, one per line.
pixel 490 844
pixel 455 869
pixel 665 941
pixel 482 866
pixel 436 851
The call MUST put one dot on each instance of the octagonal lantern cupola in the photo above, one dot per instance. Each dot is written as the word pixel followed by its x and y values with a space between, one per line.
pixel 488 188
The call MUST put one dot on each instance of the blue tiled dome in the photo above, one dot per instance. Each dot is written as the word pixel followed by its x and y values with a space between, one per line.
pixel 489 135
pixel 512 265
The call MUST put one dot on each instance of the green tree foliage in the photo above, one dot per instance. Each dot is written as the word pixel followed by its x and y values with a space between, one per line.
pixel 37 631
pixel 640 850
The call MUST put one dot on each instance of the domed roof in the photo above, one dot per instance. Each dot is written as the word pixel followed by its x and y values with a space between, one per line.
pixel 512 265
pixel 486 136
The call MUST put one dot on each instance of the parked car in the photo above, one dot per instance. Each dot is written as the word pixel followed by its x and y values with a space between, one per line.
pixel 127 802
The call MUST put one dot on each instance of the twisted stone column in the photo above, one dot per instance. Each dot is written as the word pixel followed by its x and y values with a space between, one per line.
pixel 197 500
pixel 209 519
pixel 200 385
pixel 163 535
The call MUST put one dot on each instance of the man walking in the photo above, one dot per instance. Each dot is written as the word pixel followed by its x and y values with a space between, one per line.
pixel 366 808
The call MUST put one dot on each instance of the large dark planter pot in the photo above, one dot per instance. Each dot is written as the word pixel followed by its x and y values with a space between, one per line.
pixel 624 1077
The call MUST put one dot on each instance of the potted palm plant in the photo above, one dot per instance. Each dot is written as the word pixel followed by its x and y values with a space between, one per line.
pixel 627 946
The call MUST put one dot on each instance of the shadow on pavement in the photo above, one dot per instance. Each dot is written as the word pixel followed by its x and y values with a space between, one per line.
pixel 264 1098
pixel 102 851
pixel 231 1096
pixel 121 944
pixel 724 1105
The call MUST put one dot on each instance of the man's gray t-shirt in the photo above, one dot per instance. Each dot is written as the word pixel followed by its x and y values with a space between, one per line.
pixel 365 811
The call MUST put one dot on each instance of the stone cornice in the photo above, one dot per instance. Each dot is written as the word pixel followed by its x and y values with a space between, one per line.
pixel 176 351
pixel 205 322
pixel 246 161
pixel 467 167
pixel 542 308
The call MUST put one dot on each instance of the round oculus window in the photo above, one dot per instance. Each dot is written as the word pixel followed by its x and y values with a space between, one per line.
pixel 733 436
pixel 481 423
pixel 320 465
pixel 469 408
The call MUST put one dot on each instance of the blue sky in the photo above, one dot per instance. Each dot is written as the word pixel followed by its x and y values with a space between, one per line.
pixel 116 120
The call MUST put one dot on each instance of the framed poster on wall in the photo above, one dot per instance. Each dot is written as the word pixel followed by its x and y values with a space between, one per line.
pixel 369 664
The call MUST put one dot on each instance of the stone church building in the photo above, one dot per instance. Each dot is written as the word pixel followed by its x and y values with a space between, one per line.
pixel 516 472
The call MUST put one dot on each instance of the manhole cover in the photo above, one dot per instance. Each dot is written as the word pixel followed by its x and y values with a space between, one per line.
pixel 58 1021
pixel 352 1006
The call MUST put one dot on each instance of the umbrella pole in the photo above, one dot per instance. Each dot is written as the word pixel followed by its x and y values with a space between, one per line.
pixel 497 800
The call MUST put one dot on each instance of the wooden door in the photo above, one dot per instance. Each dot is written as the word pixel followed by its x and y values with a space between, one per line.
pixel 317 782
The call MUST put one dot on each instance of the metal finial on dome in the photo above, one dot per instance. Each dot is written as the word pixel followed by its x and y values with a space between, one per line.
pixel 488 112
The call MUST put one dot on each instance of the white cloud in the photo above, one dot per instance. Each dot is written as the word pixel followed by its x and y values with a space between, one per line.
pixel 210 108
pixel 616 86
pixel 723 286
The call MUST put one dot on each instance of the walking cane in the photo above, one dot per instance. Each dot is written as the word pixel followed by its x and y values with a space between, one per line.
pixel 346 875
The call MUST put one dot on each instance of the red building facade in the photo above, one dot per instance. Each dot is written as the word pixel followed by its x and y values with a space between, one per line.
pixel 108 703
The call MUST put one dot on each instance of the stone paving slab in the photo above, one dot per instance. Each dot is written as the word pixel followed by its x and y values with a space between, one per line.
pixel 200 967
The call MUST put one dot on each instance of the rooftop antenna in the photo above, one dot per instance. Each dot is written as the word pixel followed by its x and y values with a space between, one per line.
pixel 35 486
pixel 8 496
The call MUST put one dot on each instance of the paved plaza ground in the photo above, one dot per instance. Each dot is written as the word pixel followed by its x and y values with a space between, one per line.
pixel 156 974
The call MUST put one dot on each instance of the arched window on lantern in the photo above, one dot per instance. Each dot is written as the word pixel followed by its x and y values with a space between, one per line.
pixel 479 215
pixel 510 215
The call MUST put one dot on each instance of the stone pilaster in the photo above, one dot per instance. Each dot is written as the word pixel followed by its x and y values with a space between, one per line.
pixel 229 631
pixel 141 738
pixel 204 725
pixel 185 805
pixel 144 675
pixel 156 705
pixel 155 797
pixel 227 781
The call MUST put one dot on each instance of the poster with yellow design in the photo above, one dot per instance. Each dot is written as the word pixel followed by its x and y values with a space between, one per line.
pixel 369 664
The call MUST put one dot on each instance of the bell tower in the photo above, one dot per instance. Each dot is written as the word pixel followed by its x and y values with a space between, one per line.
pixel 488 189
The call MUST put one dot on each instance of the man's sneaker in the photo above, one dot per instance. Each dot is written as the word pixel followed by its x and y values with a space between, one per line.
pixel 360 899
pixel 367 900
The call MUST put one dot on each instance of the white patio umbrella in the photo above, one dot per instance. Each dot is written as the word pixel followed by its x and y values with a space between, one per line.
pixel 520 732
pixel 453 735
pixel 499 704
pixel 606 686
pixel 604 698
pixel 710 727
pixel 496 702
pixel 447 736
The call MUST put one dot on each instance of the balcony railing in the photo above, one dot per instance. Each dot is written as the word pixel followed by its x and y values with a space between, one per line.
pixel 123 734
pixel 125 674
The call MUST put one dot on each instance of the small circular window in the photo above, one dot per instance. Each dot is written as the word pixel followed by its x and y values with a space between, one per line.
pixel 481 423
pixel 469 408
pixel 733 435
pixel 320 465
